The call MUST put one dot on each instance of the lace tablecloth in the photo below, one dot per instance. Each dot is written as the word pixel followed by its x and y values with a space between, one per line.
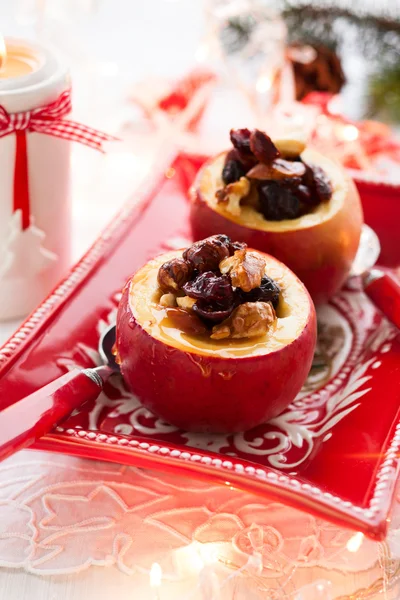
pixel 90 528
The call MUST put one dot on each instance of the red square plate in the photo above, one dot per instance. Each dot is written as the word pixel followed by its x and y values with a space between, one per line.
pixel 334 450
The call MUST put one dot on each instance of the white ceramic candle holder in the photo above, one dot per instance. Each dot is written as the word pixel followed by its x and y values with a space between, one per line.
pixel 34 258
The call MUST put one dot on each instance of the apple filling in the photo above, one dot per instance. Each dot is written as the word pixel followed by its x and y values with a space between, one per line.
pixel 219 297
pixel 220 288
pixel 271 177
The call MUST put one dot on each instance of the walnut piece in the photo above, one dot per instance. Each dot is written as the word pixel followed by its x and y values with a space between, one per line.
pixel 278 169
pixel 186 302
pixel 232 194
pixel 248 320
pixel 246 269
pixel 168 300
pixel 290 148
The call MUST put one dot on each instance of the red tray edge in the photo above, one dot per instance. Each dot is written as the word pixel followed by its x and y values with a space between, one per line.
pixel 372 521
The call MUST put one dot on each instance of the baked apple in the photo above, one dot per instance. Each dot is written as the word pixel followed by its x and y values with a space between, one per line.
pixel 215 338
pixel 284 199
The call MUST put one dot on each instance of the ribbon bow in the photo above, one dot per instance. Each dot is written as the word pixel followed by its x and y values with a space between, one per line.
pixel 47 120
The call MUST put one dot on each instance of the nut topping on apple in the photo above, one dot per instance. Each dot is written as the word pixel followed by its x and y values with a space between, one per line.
pixel 246 269
pixel 242 326
pixel 284 199
pixel 250 319
pixel 215 275
pixel 287 174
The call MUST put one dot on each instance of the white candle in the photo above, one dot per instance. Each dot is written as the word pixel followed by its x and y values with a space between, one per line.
pixel 18 60
pixel 35 254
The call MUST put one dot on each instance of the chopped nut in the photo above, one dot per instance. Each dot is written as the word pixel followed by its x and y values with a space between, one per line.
pixel 185 302
pixel 290 148
pixel 173 274
pixel 185 321
pixel 168 300
pixel 250 319
pixel 278 169
pixel 252 198
pixel 232 194
pixel 246 269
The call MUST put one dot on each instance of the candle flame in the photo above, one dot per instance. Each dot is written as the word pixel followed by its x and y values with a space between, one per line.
pixel 155 575
pixel 3 52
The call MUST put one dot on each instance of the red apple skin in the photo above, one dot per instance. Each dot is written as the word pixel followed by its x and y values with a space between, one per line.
pixel 208 393
pixel 320 255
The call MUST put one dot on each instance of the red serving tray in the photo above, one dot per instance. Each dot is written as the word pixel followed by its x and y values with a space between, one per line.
pixel 334 450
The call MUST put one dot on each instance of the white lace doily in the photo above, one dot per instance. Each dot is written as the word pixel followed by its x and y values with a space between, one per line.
pixel 61 515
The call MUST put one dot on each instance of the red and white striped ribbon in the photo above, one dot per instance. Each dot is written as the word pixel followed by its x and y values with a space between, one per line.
pixel 47 120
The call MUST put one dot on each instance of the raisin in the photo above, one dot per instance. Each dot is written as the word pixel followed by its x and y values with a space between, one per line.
pixel 211 288
pixel 318 182
pixel 278 202
pixel 322 184
pixel 291 182
pixel 185 321
pixel 232 171
pixel 306 195
pixel 206 255
pixel 263 147
pixel 268 291
pixel 240 139
pixel 172 275
pixel 211 312
pixel 308 177
pixel 237 246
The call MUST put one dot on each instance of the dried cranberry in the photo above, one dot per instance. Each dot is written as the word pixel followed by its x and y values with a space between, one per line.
pixel 263 147
pixel 322 184
pixel 232 155
pixel 278 202
pixel 209 311
pixel 240 139
pixel 268 291
pixel 232 171
pixel 206 255
pixel 211 288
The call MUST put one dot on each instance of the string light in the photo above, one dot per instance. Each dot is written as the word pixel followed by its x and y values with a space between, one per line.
pixel 155 579
pixel 263 84
pixel 354 543
pixel 350 133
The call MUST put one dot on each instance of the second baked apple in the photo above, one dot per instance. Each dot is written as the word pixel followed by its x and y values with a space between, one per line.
pixel 284 199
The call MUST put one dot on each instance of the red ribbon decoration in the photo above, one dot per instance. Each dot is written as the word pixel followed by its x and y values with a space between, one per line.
pixel 49 121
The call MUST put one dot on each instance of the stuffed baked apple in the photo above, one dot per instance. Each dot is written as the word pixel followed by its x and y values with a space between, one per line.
pixel 284 199
pixel 215 338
